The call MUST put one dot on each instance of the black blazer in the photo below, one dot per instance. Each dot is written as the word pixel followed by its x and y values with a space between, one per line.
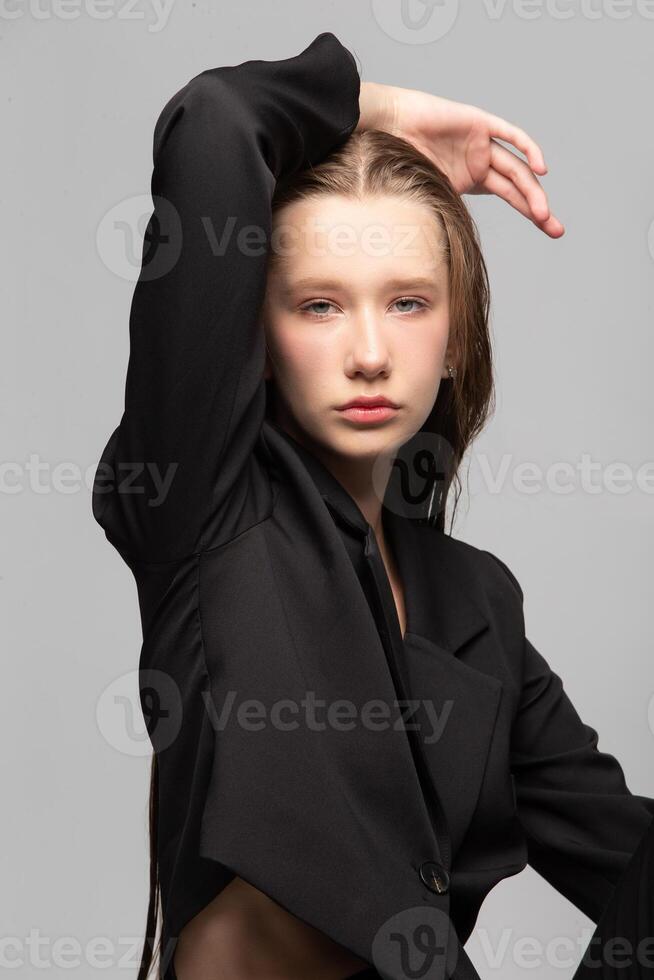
pixel 246 591
pixel 622 946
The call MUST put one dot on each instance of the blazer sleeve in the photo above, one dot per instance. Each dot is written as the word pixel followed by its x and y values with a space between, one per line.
pixel 629 918
pixel 195 392
pixel 581 821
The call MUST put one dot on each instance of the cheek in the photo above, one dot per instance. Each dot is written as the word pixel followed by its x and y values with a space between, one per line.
pixel 424 357
pixel 304 366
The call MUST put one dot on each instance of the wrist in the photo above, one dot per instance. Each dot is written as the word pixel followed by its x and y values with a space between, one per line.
pixel 376 106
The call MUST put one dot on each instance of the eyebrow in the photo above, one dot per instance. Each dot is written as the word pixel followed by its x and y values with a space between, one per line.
pixel 410 282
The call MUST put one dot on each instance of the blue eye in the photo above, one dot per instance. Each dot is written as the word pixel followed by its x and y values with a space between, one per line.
pixel 410 299
pixel 325 303
pixel 316 302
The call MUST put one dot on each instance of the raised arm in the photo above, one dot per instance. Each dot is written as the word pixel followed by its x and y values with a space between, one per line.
pixel 463 141
pixel 195 393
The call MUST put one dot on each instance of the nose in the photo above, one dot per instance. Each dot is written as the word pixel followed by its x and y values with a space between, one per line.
pixel 369 353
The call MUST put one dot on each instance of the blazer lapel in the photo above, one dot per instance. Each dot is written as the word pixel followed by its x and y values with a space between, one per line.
pixel 455 703
pixel 438 602
pixel 458 699
pixel 339 655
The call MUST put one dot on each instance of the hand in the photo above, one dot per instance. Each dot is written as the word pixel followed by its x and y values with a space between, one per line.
pixel 462 141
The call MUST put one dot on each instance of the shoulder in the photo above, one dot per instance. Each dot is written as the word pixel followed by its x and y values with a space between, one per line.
pixel 481 581
pixel 464 574
pixel 481 567
pixel 498 570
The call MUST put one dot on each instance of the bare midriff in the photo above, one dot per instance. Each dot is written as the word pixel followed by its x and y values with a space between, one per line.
pixel 242 934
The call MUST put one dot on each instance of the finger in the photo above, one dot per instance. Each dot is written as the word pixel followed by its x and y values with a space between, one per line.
pixel 516 170
pixel 503 130
pixel 496 183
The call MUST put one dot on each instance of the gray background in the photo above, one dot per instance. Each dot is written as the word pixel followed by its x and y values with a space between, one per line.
pixel 82 87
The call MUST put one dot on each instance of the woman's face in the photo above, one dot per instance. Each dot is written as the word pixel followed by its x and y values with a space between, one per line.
pixel 356 304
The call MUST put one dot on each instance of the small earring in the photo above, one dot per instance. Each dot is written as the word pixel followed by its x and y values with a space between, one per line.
pixel 451 371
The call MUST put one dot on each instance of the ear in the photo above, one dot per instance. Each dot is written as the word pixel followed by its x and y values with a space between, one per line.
pixel 450 358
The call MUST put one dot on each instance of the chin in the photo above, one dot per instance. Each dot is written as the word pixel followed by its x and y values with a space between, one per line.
pixel 367 443
pixel 338 438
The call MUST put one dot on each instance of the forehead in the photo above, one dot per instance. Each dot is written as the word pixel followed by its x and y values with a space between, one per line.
pixel 380 236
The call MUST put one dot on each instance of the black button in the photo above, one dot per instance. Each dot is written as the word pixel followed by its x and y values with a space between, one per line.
pixel 435 877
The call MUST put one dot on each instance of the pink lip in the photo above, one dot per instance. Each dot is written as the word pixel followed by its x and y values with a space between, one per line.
pixel 369 413
pixel 368 401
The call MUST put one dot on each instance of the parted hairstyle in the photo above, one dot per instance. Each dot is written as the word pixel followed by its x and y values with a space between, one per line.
pixel 377 163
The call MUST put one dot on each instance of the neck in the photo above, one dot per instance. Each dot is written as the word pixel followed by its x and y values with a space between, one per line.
pixel 354 475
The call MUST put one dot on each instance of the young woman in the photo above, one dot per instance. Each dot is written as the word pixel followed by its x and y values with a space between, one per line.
pixel 310 359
